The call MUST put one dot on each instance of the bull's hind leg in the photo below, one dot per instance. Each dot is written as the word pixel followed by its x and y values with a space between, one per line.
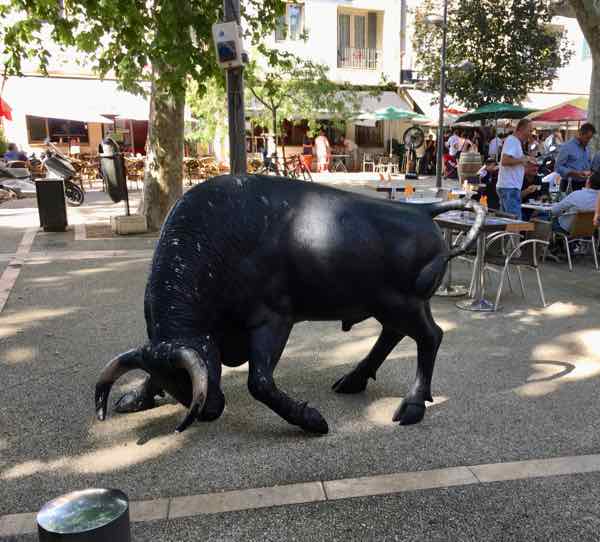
pixel 356 380
pixel 267 344
pixel 428 336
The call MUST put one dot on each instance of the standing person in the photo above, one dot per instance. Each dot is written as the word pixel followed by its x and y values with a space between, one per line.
pixel 351 149
pixel 512 169
pixel 553 140
pixel 495 148
pixel 454 143
pixel 574 162
pixel 323 151
pixel 428 160
pixel 307 153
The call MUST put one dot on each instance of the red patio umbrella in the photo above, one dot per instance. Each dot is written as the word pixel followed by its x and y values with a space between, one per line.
pixel 5 110
pixel 570 111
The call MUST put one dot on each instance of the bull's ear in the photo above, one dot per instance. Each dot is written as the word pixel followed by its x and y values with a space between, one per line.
pixel 189 360
pixel 114 370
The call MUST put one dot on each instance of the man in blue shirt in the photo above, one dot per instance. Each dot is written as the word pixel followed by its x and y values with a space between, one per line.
pixel 574 160
pixel 582 200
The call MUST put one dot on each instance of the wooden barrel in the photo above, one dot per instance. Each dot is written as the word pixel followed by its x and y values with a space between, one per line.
pixel 468 165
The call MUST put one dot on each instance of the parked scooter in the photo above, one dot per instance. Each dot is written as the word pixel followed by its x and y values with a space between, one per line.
pixel 19 180
pixel 58 166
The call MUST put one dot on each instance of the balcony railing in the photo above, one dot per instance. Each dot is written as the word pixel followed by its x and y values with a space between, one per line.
pixel 362 59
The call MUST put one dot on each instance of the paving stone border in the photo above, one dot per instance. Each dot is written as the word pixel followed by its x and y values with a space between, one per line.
pixel 332 490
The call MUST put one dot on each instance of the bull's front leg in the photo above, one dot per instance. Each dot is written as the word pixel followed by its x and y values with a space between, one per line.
pixel 267 344
pixel 356 380
pixel 141 398
pixel 428 336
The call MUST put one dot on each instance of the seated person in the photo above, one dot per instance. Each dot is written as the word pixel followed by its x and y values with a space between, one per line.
pixel 13 153
pixel 581 200
pixel 488 175
pixel 529 191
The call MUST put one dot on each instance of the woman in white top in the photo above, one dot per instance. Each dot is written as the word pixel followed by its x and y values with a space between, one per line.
pixel 323 152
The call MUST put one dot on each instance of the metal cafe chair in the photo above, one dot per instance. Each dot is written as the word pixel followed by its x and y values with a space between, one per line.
pixel 368 161
pixel 508 249
pixel 582 231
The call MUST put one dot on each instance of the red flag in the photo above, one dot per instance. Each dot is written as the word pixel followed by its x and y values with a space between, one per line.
pixel 5 110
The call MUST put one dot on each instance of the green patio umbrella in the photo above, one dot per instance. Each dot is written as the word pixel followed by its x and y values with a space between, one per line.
pixel 394 113
pixel 495 111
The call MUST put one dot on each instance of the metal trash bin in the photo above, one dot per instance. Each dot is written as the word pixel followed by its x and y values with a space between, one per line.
pixel 52 206
pixel 90 515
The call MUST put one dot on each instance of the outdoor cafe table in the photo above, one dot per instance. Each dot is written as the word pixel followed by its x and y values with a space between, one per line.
pixel 539 206
pixel 463 221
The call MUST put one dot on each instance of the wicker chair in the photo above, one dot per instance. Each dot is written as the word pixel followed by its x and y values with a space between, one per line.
pixel 582 231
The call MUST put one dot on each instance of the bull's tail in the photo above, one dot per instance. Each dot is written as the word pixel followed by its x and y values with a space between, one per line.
pixel 436 209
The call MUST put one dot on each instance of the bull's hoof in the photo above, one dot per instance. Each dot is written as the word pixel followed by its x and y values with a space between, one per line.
pixel 313 422
pixel 409 413
pixel 134 401
pixel 351 383
pixel 213 408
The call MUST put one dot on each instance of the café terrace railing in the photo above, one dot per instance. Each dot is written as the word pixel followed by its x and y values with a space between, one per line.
pixel 362 59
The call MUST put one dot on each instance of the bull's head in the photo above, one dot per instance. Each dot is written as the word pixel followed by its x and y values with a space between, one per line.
pixel 180 371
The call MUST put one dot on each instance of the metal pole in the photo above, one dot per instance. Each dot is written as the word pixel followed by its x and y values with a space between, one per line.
pixel 440 138
pixel 235 102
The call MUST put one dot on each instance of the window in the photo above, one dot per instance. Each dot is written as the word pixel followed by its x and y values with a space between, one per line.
pixel 58 130
pixel 280 28
pixel 343 32
pixel 295 21
pixel 291 25
pixel 36 128
pixel 357 41
pixel 359 32
pixel 367 136
pixel 63 131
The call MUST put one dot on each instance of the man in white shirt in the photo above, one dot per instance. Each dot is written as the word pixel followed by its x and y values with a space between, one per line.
pixel 580 200
pixel 454 142
pixel 512 169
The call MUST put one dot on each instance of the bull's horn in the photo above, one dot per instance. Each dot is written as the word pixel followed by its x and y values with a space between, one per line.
pixel 188 359
pixel 114 370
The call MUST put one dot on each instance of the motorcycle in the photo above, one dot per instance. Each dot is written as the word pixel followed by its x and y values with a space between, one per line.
pixel 58 166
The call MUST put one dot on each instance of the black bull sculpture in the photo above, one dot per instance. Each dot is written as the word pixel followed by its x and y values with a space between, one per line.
pixel 240 260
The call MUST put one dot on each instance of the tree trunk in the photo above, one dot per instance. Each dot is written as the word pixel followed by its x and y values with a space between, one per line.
pixel 163 179
pixel 594 106
pixel 588 17
pixel 274 116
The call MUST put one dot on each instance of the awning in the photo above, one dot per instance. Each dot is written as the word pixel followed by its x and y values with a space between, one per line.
pixel 428 104
pixel 85 100
pixel 368 104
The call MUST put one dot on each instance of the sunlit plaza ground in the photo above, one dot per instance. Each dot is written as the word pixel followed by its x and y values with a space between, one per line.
pixel 515 391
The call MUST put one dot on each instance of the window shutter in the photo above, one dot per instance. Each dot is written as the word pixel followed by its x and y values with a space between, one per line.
pixel 372 43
